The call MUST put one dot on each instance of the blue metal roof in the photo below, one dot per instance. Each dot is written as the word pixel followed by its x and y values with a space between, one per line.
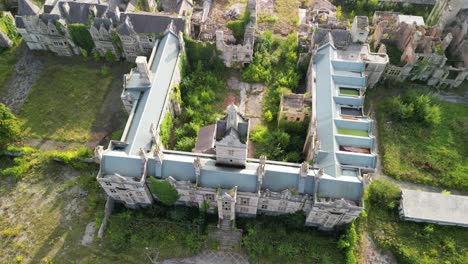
pixel 346 187
pixel 213 176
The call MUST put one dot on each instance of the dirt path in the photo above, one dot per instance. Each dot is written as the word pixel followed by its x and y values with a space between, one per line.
pixel 27 71
pixel 373 255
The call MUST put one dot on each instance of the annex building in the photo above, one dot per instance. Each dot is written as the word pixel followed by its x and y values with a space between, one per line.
pixel 330 192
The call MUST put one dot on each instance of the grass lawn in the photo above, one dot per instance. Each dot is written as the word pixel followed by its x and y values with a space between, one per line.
pixel 349 91
pixel 437 156
pixel 65 100
pixel 353 132
pixel 411 242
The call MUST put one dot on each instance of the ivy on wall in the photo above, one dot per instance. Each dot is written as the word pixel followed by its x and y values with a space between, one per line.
pixel 80 35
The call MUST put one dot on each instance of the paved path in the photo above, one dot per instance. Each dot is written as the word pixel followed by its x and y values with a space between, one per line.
pixel 373 255
pixel 211 257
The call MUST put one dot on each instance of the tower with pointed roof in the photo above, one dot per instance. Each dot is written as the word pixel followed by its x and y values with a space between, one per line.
pixel 232 138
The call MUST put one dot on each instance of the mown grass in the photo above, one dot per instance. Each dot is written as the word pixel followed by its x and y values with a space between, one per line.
pixel 411 242
pixel 418 153
pixel 65 101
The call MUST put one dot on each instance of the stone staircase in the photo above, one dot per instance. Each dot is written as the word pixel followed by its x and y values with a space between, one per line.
pixel 227 238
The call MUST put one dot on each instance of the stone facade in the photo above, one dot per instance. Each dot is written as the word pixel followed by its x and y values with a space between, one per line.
pixel 232 135
pixel 239 54
pixel 423 50
pixel 292 108
pixel 113 28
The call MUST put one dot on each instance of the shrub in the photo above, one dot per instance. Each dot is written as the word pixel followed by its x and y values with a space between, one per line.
pixel 81 37
pixel 105 71
pixel 165 129
pixel 10 127
pixel 268 116
pixel 238 26
pixel 166 194
pixel 109 56
pixel 384 193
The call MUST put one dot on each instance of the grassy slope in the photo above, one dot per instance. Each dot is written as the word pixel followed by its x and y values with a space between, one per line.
pixel 413 242
pixel 436 156
pixel 7 65
pixel 64 102
pixel 43 219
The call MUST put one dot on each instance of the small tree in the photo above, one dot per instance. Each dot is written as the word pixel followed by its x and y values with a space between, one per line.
pixel 10 127
pixel 166 194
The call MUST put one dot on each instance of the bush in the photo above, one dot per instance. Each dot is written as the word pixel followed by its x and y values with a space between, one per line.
pixel 166 194
pixel 10 127
pixel 80 35
pixel 109 56
pixel 166 129
pixel 384 193
pixel 238 26
pixel 105 71
pixel 414 107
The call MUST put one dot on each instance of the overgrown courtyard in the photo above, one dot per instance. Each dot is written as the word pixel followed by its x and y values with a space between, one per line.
pixel 422 140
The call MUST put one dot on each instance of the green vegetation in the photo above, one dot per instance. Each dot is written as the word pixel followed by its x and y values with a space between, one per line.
pixel 172 232
pixel 413 107
pixel 410 242
pixel 166 129
pixel 420 146
pixel 353 132
pixel 7 25
pixel 368 7
pixel 285 239
pixel 80 35
pixel 275 64
pixel 10 127
pixel 349 91
pixel 238 26
pixel 8 58
pixel 394 54
pixel 348 243
pixel 65 101
pixel 162 189
pixel 46 219
pixel 203 91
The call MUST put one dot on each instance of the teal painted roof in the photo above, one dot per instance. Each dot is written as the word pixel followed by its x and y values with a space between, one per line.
pixel 331 73
pixel 151 103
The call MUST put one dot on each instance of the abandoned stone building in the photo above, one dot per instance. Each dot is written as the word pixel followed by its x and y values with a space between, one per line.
pixel 351 45
pixel 233 53
pixel 293 108
pixel 113 26
pixel 330 194
pixel 422 50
